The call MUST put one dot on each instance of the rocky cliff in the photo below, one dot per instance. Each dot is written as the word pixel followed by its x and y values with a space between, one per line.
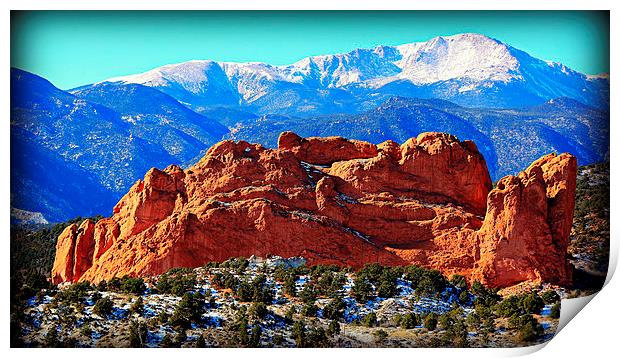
pixel 428 202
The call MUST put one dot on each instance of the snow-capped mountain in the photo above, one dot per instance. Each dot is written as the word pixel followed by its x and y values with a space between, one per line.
pixel 469 69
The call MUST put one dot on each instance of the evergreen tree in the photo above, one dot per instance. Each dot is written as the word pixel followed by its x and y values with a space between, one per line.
pixel 333 329
pixel 103 307
pixel 430 321
pixel 299 334
pixel 254 341
pixel 137 334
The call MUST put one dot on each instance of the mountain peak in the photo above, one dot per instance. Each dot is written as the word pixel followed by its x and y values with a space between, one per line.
pixel 468 69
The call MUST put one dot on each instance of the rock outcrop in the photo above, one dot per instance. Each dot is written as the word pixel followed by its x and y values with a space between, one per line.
pixel 427 202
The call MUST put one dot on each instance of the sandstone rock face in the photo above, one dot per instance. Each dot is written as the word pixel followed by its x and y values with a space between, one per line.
pixel 428 202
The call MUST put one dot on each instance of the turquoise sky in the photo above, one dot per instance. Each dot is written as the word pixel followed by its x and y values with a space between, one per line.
pixel 75 48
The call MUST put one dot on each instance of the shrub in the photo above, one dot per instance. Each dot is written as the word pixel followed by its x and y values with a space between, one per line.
pixel 484 296
pixel 242 331
pixel 137 307
pixel 509 306
pixel 76 293
pixel 137 334
pixel 188 311
pixel 387 283
pixel 370 320
pixel 334 309
pixel 409 321
pixel 166 342
pixel 278 339
pixel 457 333
pixel 308 294
pixel 134 286
pixel 517 305
pixel 316 337
pixel 532 303
pixel 289 286
pixel 459 282
pixel 555 310
pixel 550 297
pixel 427 282
pixel 176 282
pixel 289 314
pixel 333 329
pixel 473 320
pixel 381 335
pixel 103 307
pixel 51 338
pixel 86 330
pixel 430 321
pixel 464 297
pixel 528 327
pixel 180 338
pixel 299 334
pixel 258 310
pixel 309 310
pixel 257 290
pixel 362 290
pixel 254 341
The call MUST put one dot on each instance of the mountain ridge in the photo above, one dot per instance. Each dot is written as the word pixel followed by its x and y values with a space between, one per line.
pixel 464 68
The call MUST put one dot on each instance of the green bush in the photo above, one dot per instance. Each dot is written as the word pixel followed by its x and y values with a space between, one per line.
pixel 555 310
pixel 430 321
pixel 137 307
pixel 409 321
pixel 166 342
pixel 258 310
pixel 459 281
pixel 308 293
pixel 484 296
pixel 76 293
pixel 532 303
pixel 381 335
pixel 370 320
pixel 309 310
pixel 426 282
pixel 176 282
pixel 134 286
pixel 362 290
pixel 316 338
pixel 254 340
pixel 299 334
pixel 103 307
pixel 333 329
pixel 137 334
pixel 334 309
pixel 188 311
pixel 528 327
pixel 550 297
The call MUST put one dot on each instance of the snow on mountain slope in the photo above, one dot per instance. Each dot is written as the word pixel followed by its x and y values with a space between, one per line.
pixel 469 69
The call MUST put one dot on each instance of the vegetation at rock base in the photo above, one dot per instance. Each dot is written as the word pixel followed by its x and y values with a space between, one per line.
pixel 589 240
pixel 245 303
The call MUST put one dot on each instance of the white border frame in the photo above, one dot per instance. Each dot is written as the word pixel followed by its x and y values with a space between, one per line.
pixel 592 332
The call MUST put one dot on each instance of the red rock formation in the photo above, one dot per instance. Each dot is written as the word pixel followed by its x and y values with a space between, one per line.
pixel 339 201
pixel 525 233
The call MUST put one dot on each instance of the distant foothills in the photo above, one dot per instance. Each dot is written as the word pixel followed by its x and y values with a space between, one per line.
pixel 76 152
